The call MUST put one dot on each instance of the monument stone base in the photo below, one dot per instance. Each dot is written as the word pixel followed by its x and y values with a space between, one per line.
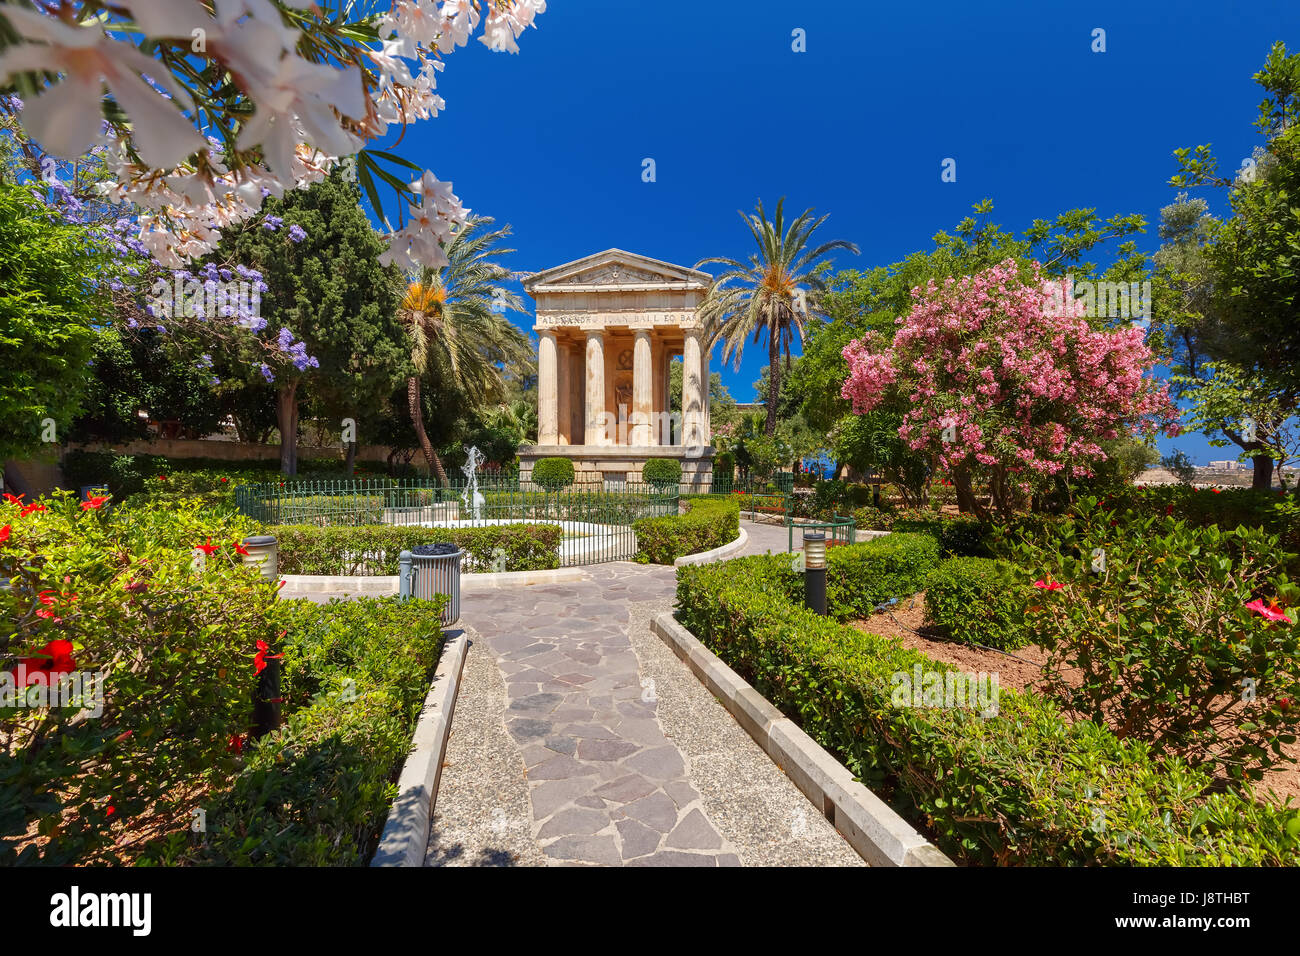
pixel 610 466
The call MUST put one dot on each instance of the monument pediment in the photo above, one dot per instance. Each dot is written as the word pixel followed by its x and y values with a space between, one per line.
pixel 616 270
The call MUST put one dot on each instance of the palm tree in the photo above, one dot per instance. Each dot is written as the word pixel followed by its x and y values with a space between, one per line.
pixel 455 320
pixel 772 295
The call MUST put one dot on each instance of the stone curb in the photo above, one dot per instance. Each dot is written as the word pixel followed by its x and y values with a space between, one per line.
pixel 387 583
pixel 720 553
pixel 876 832
pixel 405 839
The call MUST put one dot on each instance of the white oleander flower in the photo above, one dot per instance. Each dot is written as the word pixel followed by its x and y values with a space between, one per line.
pixel 65 117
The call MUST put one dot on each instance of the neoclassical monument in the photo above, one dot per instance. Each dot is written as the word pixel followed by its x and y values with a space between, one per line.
pixel 610 326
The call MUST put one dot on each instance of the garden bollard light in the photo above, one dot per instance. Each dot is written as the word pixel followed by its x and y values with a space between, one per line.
pixel 814 575
pixel 263 554
pixel 404 575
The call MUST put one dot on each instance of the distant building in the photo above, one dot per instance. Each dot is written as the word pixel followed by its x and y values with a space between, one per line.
pixel 1225 466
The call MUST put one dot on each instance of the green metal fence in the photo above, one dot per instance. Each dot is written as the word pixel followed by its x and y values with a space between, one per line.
pixel 839 530
pixel 597 523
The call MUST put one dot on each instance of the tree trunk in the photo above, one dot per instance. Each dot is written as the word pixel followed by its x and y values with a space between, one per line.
pixel 350 465
pixel 1263 462
pixel 966 502
pixel 417 419
pixel 773 382
pixel 286 417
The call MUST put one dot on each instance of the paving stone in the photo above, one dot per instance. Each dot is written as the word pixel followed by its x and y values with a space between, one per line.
pixel 579 822
pixel 694 833
pixel 660 763
pixel 674 858
pixel 605 749
pixel 656 810
pixel 558 767
pixel 541 703
pixel 626 789
pixel 551 795
pixel 527 728
pixel 586 849
pixel 562 745
pixel 638 840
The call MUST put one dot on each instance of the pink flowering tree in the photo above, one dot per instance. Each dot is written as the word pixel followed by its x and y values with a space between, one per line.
pixel 1007 384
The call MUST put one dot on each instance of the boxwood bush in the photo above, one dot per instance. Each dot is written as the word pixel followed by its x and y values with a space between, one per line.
pixel 861 577
pixel 317 791
pixel 375 549
pixel 1026 786
pixel 662 471
pixel 553 473
pixel 708 523
pixel 975 601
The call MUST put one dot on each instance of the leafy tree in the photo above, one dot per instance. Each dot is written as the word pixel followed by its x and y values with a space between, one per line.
pixel 1003 386
pixel 861 303
pixel 456 329
pixel 329 306
pixel 50 303
pixel 1253 321
pixel 133 372
pixel 772 296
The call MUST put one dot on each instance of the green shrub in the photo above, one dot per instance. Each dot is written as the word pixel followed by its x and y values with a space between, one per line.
pixel 154 479
pixel 553 473
pixel 708 523
pixel 1023 787
pixel 862 576
pixel 316 792
pixel 662 471
pixel 117 592
pixel 973 601
pixel 957 536
pixel 375 549
pixel 1153 617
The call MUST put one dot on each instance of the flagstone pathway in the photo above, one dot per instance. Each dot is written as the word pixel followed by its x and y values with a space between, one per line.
pixel 579 739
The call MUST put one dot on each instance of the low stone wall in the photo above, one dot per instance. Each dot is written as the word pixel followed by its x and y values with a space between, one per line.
pixel 600 466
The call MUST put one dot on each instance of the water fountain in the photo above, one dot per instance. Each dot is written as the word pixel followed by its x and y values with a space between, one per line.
pixel 473 458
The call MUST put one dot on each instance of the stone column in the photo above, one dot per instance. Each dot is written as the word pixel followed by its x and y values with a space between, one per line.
pixel 564 369
pixel 642 390
pixel 706 396
pixel 595 417
pixel 547 398
pixel 692 395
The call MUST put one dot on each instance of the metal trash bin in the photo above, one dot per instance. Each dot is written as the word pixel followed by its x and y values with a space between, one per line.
pixel 431 569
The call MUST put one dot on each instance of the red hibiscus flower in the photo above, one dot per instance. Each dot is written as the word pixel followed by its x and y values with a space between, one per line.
pixel 240 549
pixel 261 657
pixel 1048 585
pixel 1271 611
pixel 236 744
pixel 93 502
pixel 31 508
pixel 54 658
pixel 209 549
pixel 13 499
pixel 4 534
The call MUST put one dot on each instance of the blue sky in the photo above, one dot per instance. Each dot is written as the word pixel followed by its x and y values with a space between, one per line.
pixel 552 140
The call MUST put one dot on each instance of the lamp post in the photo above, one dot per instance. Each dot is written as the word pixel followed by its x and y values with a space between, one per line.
pixel 814 574
pixel 264 555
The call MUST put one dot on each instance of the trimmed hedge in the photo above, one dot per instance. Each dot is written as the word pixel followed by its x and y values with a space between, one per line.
pixel 861 577
pixel 662 471
pixel 1023 787
pixel 708 523
pixel 973 601
pixel 553 473
pixel 317 791
pixel 375 549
